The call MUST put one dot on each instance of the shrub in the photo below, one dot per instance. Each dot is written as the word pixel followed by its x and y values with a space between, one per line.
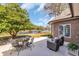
pixel 73 46
pixel 48 35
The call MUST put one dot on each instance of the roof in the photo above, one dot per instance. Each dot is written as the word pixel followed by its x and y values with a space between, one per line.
pixel 65 14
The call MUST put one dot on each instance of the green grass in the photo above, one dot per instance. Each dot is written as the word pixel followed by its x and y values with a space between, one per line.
pixel 33 35
pixel 4 34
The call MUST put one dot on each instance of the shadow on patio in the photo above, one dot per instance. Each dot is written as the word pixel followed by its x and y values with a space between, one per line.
pixel 39 49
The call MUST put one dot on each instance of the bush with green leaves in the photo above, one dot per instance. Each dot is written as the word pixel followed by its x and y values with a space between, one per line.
pixel 73 46
pixel 48 35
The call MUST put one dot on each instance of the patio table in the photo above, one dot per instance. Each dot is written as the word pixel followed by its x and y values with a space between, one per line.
pixel 20 43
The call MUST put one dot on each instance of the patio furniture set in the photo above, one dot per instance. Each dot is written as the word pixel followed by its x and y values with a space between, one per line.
pixel 55 43
pixel 22 42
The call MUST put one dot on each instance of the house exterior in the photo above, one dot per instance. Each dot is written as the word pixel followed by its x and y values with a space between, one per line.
pixel 66 25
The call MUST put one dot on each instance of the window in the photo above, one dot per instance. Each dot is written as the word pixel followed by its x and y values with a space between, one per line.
pixel 64 30
pixel 67 30
pixel 60 30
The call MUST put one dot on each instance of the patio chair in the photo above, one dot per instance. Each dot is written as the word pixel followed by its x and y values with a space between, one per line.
pixel 53 45
pixel 62 41
pixel 30 42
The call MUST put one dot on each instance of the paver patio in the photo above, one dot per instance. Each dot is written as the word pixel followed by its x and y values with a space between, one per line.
pixel 40 49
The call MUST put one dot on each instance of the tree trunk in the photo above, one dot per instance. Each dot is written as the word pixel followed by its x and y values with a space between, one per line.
pixel 13 36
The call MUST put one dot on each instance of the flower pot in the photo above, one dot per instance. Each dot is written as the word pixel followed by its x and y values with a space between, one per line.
pixel 73 52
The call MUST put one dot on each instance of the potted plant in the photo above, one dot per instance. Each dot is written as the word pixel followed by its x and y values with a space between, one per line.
pixel 73 49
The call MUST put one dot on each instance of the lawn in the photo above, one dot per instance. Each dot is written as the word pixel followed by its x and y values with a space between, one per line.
pixel 38 34
pixel 33 35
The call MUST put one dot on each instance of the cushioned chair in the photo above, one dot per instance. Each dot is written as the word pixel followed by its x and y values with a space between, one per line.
pixel 62 41
pixel 53 45
pixel 30 42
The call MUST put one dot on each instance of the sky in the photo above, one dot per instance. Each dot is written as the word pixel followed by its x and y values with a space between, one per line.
pixel 37 14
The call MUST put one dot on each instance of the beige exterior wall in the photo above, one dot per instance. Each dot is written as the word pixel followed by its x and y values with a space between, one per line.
pixel 74 29
pixel 76 9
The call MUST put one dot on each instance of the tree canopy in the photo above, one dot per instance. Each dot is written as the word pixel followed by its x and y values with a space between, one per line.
pixel 13 19
pixel 55 8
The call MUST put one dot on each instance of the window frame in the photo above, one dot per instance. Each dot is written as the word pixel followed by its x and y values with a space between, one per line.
pixel 64 30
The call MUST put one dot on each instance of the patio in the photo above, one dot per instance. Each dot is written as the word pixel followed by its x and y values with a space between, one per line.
pixel 39 49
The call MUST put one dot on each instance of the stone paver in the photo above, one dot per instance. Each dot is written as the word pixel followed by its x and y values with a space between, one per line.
pixel 40 49
pixel 5 48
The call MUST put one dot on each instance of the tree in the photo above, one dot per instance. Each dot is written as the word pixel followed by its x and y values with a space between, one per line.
pixel 55 8
pixel 39 28
pixel 13 19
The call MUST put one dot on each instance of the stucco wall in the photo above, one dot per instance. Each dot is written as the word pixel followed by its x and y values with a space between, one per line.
pixel 76 9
